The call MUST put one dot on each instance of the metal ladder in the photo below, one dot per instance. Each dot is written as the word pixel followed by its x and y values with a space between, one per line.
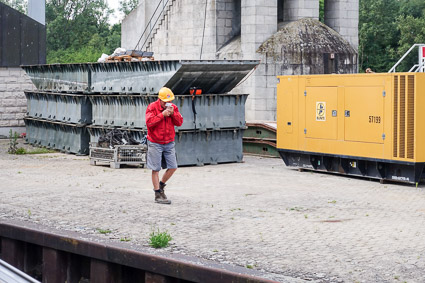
pixel 420 67
pixel 150 29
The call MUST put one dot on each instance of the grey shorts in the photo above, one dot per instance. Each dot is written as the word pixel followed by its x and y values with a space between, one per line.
pixel 161 154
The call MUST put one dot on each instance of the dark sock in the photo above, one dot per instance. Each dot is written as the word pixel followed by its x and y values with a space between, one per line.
pixel 156 190
pixel 161 183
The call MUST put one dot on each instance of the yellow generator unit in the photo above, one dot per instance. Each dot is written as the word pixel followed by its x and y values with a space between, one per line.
pixel 370 125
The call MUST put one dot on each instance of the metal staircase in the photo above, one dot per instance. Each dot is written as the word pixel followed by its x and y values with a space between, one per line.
pixel 158 17
pixel 420 67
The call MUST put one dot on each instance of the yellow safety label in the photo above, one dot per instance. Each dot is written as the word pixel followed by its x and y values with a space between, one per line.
pixel 320 111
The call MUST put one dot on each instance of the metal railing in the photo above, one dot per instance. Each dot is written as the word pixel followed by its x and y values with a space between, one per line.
pixel 420 67
pixel 149 27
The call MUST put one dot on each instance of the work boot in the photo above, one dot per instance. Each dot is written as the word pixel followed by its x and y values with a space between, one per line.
pixel 160 199
pixel 161 190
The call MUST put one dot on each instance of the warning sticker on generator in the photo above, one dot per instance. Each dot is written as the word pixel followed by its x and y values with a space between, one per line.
pixel 320 111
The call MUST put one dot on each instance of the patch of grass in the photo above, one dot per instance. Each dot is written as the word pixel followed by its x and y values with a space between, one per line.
pixel 172 223
pixel 296 208
pixel 333 201
pixel 234 209
pixel 104 231
pixel 249 266
pixel 22 151
pixel 215 251
pixel 29 213
pixel 40 151
pixel 159 239
pixel 125 239
pixel 305 216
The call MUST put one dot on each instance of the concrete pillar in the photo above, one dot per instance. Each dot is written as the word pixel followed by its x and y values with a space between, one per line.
pixel 294 10
pixel 37 10
pixel 259 22
pixel 343 17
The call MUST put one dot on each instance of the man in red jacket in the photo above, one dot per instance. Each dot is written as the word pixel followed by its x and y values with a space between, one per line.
pixel 161 117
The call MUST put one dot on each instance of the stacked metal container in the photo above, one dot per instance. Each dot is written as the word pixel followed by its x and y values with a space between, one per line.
pixel 119 94
pixel 58 120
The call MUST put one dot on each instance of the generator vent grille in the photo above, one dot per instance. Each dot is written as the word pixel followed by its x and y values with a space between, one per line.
pixel 410 117
pixel 404 116
pixel 395 136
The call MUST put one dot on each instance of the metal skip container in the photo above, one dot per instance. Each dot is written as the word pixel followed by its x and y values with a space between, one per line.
pixel 119 94
pixel 194 147
pixel 69 138
pixel 212 76
pixel 61 107
pixel 57 121
pixel 214 111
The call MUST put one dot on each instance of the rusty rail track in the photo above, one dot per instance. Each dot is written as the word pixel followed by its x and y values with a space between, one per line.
pixel 50 255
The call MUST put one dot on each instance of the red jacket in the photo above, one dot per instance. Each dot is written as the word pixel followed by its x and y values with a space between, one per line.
pixel 160 128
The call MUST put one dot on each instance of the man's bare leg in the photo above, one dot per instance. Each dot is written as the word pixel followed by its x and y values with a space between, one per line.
pixel 167 175
pixel 155 180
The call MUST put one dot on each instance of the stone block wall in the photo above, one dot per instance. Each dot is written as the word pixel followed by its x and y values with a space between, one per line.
pixel 181 36
pixel 13 104
pixel 228 20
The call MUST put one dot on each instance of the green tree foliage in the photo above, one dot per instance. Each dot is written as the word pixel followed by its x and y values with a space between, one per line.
pixel 377 34
pixel 20 5
pixel 322 11
pixel 78 31
pixel 387 29
pixel 126 6
pixel 411 25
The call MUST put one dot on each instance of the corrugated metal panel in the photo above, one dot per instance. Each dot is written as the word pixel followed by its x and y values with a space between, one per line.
pixel 68 138
pixel 217 76
pixel 10 274
pixel 214 111
pixel 61 107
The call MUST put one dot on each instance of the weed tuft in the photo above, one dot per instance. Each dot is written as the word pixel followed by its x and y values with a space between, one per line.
pixel 104 231
pixel 159 239
pixel 13 142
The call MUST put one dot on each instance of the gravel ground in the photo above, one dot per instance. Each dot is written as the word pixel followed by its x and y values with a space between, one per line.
pixel 294 226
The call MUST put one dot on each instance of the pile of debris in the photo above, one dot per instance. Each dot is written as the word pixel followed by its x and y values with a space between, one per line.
pixel 122 55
